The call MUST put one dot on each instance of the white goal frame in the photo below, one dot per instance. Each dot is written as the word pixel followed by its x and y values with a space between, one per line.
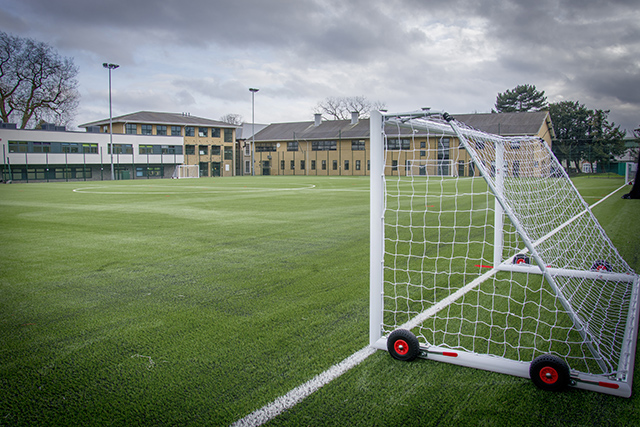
pixel 564 281
pixel 186 171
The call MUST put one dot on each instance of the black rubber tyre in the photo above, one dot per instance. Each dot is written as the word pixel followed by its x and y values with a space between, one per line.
pixel 549 372
pixel 403 345
pixel 601 265
pixel 521 259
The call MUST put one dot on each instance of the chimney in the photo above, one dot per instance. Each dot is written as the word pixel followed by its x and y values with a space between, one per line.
pixel 318 119
pixel 354 117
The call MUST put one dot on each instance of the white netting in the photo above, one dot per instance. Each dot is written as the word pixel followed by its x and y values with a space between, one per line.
pixel 439 226
pixel 186 171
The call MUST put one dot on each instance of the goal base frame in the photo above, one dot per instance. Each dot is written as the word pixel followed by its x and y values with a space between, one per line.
pixel 579 380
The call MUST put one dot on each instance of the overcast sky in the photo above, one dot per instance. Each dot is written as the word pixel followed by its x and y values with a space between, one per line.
pixel 202 56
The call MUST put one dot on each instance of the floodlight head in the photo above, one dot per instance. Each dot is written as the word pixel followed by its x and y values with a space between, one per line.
pixel 110 66
pixel 254 90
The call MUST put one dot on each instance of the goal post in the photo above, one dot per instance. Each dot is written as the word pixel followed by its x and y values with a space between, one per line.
pixel 482 247
pixel 186 171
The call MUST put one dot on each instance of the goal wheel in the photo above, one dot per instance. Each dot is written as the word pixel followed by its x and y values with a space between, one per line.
pixel 521 259
pixel 549 372
pixel 601 265
pixel 403 345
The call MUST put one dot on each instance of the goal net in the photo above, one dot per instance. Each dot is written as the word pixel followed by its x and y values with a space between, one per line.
pixel 186 171
pixel 482 247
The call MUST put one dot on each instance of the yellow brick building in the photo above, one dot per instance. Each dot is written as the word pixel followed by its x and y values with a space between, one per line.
pixel 209 144
pixel 342 147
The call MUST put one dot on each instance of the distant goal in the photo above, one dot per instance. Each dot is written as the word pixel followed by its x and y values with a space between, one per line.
pixel 186 171
pixel 484 254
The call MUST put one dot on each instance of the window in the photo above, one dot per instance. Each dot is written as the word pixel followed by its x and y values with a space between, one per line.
pixel 89 148
pixel 357 165
pixel 18 146
pixel 189 131
pixel 324 165
pixel 247 149
pixel 423 153
pixel 228 153
pixel 335 165
pixel 145 149
pixel 358 145
pixel 302 165
pixel 323 145
pixel 394 165
pixel 131 128
pixel 215 150
pixel 398 144
pixel 189 149
pixel 293 164
pixel 203 132
pixel 45 147
pixel 203 150
pixel 149 171
pixel 228 135
pixel 176 131
pixel 443 157
pixel 292 146
pixel 215 132
pixel 146 129
pixel 204 169
pixel 120 149
pixel 70 147
pixel 313 165
pixel 346 165
pixel 161 130
pixel 423 144
pixel 247 166
pixel 282 164
pixel 263 148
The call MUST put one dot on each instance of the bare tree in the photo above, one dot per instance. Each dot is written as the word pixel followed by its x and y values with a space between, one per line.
pixel 234 119
pixel 36 84
pixel 340 108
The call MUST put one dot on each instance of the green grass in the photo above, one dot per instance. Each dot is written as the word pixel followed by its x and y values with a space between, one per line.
pixel 195 302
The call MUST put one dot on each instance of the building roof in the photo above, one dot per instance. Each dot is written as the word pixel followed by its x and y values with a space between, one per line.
pixel 507 124
pixel 247 129
pixel 154 117
pixel 328 129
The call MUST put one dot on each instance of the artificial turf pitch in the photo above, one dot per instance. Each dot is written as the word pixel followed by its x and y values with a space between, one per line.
pixel 195 302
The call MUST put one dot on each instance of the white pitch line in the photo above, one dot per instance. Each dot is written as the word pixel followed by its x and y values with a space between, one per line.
pixel 289 400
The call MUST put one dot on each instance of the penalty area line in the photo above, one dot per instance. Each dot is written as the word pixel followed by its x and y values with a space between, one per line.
pixel 289 400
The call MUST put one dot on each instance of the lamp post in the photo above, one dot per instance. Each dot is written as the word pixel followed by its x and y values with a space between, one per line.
pixel 253 132
pixel 110 67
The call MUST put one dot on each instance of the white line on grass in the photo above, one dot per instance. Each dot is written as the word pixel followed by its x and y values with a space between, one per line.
pixel 289 400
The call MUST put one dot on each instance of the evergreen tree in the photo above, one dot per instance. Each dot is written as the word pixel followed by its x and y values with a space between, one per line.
pixel 521 98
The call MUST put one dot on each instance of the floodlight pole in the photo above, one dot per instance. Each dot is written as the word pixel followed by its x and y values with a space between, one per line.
pixel 253 132
pixel 110 67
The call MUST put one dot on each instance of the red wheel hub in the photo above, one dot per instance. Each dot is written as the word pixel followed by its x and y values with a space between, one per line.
pixel 520 261
pixel 401 347
pixel 549 375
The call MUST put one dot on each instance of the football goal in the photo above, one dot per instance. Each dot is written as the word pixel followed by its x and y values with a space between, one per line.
pixel 186 171
pixel 484 254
